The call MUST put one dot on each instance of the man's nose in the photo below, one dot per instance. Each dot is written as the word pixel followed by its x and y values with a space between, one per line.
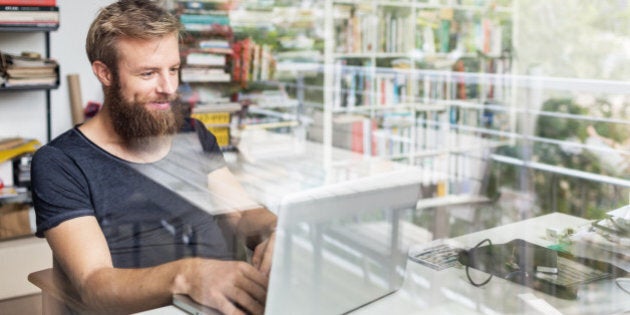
pixel 167 84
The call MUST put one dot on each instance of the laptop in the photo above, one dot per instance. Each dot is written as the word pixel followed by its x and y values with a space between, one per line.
pixel 338 247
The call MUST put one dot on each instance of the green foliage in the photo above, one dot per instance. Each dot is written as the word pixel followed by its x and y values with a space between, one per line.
pixel 568 194
pixel 616 132
pixel 560 128
pixel 562 193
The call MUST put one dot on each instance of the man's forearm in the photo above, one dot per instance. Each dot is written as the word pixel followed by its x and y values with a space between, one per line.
pixel 115 290
pixel 224 285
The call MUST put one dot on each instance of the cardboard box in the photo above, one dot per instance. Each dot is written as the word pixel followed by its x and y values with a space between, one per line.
pixel 14 220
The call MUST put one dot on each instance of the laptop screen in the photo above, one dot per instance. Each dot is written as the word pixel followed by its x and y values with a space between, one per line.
pixel 342 246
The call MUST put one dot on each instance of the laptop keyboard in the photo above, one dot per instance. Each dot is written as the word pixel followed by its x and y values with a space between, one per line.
pixel 572 273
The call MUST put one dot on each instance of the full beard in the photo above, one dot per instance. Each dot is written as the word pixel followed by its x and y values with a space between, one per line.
pixel 138 126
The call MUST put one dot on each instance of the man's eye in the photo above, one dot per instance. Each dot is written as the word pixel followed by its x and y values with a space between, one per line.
pixel 146 74
pixel 174 70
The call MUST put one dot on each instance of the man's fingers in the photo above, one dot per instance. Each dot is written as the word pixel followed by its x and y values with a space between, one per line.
pixel 225 306
pixel 254 275
pixel 263 255
pixel 232 287
pixel 242 296
pixel 259 252
pixel 265 265
pixel 247 301
pixel 253 282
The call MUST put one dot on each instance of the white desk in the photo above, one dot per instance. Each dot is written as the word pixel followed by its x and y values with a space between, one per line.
pixel 271 166
pixel 427 291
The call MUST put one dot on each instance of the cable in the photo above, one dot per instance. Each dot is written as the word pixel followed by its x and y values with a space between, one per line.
pixel 620 281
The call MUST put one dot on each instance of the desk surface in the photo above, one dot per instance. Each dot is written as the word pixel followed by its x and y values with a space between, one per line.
pixel 271 167
pixel 449 292
pixel 426 291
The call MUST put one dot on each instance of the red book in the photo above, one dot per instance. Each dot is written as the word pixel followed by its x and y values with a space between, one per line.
pixel 246 60
pixel 237 51
pixel 27 3
pixel 356 143
pixel 373 126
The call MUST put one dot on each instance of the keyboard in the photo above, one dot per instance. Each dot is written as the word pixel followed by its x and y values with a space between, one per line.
pixel 572 273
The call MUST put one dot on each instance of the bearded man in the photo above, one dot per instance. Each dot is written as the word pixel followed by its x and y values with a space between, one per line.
pixel 117 198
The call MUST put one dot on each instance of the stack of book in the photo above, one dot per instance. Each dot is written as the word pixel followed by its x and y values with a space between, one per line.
pixel 252 62
pixel 207 45
pixel 20 14
pixel 27 70
pixel 204 66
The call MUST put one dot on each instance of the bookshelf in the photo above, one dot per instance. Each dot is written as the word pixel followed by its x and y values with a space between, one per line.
pixel 15 198
pixel 228 64
pixel 285 35
pixel 17 18
pixel 420 80
pixel 46 88
pixel 206 79
pixel 25 37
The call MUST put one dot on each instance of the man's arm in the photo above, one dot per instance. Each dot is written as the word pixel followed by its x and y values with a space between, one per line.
pixel 81 250
pixel 250 220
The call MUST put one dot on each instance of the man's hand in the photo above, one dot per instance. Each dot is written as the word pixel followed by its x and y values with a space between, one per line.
pixel 232 287
pixel 263 254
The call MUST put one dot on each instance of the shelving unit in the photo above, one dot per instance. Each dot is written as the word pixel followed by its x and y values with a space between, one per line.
pixel 207 79
pixel 406 66
pixel 45 88
pixel 285 33
pixel 247 72
pixel 15 199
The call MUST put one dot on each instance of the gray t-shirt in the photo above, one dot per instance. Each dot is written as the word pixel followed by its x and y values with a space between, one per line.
pixel 145 211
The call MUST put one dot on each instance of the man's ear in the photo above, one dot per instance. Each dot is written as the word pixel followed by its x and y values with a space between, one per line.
pixel 102 72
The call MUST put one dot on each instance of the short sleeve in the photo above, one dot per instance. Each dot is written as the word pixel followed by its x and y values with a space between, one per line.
pixel 209 145
pixel 60 189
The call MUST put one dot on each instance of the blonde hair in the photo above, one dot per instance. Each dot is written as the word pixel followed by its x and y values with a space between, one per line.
pixel 138 19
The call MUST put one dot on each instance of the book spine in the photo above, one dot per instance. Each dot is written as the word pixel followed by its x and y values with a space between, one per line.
pixel 27 8
pixel 356 137
pixel 28 16
pixel 43 3
pixel 204 19
pixel 446 16
pixel 204 5
pixel 28 24
pixel 237 60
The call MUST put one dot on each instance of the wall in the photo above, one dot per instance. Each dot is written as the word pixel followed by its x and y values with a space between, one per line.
pixel 19 258
pixel 24 113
